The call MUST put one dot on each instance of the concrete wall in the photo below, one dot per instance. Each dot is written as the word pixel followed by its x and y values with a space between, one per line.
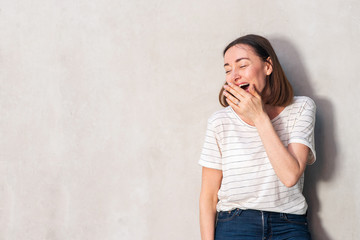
pixel 104 103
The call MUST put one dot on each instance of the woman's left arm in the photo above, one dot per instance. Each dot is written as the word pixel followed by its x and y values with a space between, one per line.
pixel 288 162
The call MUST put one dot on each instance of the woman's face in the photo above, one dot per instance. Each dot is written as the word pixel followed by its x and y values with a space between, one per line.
pixel 244 68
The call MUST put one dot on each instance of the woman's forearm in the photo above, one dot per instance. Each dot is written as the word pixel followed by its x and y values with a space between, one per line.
pixel 207 218
pixel 286 166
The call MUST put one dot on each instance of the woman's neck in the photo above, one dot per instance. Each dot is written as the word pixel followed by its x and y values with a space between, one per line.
pixel 273 111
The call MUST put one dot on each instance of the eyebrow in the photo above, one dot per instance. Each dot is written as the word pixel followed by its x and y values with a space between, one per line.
pixel 237 60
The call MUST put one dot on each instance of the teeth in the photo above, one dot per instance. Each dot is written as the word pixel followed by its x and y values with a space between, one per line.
pixel 244 85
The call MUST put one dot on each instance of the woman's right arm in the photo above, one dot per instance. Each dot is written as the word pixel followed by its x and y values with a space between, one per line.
pixel 210 185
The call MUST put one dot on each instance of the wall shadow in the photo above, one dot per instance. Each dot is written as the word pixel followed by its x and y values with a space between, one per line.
pixel 326 150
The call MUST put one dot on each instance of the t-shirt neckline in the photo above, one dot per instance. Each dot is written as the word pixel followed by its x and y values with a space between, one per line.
pixel 250 126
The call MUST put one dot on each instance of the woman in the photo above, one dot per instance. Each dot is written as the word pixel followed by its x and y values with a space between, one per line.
pixel 256 150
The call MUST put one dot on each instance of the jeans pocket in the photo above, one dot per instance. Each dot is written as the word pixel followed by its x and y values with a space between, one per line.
pixel 297 219
pixel 225 216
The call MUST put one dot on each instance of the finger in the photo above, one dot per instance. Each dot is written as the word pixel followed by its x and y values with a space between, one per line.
pixel 254 91
pixel 234 90
pixel 233 105
pixel 241 91
pixel 230 98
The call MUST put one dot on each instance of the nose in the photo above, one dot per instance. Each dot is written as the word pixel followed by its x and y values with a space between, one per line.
pixel 235 75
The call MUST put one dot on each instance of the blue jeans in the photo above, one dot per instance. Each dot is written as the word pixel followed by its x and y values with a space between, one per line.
pixel 260 225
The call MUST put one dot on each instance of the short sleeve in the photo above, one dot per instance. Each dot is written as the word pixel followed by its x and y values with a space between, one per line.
pixel 303 129
pixel 211 151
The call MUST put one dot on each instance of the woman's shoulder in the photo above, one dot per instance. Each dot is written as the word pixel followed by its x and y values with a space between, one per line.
pixel 219 115
pixel 303 103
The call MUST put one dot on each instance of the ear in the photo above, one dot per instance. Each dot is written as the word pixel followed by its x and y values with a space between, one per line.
pixel 269 66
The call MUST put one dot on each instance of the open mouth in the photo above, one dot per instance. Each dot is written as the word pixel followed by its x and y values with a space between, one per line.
pixel 245 86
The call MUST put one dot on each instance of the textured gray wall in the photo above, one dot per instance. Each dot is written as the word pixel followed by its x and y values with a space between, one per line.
pixel 103 109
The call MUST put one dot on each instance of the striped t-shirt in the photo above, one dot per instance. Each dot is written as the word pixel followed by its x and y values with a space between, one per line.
pixel 249 181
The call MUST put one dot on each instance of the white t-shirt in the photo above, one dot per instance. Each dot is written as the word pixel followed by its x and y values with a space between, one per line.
pixel 249 181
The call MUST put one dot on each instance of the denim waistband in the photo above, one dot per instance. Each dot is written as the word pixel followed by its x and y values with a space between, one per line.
pixel 257 224
pixel 260 212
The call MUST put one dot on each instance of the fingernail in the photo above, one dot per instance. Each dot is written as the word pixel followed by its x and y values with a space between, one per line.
pixel 225 86
pixel 229 84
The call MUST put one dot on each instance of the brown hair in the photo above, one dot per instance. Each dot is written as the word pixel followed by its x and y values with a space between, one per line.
pixel 278 90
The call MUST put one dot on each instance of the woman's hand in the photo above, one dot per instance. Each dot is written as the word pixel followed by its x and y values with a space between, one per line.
pixel 246 104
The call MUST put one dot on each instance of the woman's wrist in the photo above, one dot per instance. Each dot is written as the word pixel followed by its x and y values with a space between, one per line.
pixel 261 118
